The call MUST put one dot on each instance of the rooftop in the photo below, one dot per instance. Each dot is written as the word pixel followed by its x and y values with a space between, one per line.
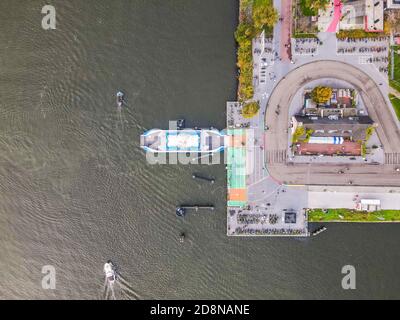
pixel 374 15
pixel 350 121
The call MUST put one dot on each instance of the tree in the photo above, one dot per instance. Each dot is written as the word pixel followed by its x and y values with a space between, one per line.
pixel 321 94
pixel 264 17
pixel 298 133
pixel 393 19
pixel 368 133
pixel 318 4
pixel 250 109
pixel 311 7
pixel 244 32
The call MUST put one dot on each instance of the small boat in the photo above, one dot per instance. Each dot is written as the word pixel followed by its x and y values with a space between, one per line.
pixel 109 271
pixel 210 180
pixel 120 99
pixel 180 212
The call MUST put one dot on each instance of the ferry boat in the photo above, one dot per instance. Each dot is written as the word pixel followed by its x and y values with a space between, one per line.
pixel 184 140
pixel 109 271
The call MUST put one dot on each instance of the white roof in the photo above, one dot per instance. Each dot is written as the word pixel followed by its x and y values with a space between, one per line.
pixel 183 140
pixel 371 202
pixel 374 15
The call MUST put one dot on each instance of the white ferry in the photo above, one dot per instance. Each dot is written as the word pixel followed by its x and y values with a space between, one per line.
pixel 185 140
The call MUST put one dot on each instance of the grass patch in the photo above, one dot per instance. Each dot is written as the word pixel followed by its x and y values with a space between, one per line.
pixel 358 33
pixel 332 215
pixel 304 35
pixel 396 104
pixel 395 83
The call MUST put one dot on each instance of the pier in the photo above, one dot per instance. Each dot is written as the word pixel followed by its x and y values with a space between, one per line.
pixel 319 230
pixel 182 210
pixel 210 180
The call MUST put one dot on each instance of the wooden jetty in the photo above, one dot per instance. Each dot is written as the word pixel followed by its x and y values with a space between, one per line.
pixel 182 210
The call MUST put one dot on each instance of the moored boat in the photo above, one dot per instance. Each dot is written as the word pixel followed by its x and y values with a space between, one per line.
pixel 184 140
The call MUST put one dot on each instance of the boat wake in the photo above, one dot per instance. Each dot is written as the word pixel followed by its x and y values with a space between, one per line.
pixel 108 291
pixel 116 283
pixel 127 289
pixel 121 118
pixel 121 288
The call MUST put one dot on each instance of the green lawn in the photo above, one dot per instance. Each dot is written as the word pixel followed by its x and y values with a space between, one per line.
pixel 395 83
pixel 396 104
pixel 304 35
pixel 346 215
pixel 358 34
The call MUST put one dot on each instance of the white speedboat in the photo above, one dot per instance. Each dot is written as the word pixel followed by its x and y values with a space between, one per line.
pixel 120 99
pixel 109 271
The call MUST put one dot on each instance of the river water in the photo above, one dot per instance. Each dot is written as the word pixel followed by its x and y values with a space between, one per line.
pixel 76 190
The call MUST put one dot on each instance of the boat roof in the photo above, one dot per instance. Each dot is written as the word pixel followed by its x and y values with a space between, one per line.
pixel 187 140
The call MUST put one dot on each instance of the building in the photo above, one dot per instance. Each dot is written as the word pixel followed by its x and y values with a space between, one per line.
pixel 351 128
pixel 369 205
pixel 354 14
pixel 393 4
pixel 374 20
pixel 343 103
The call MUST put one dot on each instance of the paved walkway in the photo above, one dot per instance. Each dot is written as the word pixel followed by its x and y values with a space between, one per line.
pixel 347 197
pixel 286 16
pixel 333 27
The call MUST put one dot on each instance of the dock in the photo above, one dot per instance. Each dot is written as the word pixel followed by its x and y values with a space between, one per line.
pixel 182 210
pixel 210 180
pixel 319 230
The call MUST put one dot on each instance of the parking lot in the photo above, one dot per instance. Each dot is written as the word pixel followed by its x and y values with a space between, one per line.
pixel 370 51
pixel 308 46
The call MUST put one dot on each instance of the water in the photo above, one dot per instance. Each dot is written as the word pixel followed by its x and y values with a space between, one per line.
pixel 75 189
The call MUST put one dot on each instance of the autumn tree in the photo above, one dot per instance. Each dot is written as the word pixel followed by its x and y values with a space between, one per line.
pixel 311 7
pixel 264 17
pixel 321 94
pixel 250 109
pixel 393 19
pixel 318 4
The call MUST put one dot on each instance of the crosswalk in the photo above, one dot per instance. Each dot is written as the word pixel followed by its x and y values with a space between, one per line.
pixel 276 156
pixel 392 158
pixel 256 166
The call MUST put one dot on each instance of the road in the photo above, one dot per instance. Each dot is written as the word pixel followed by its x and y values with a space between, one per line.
pixel 277 119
